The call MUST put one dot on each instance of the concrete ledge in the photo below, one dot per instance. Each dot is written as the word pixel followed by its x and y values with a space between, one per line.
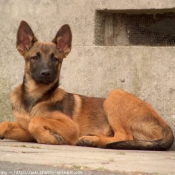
pixel 84 158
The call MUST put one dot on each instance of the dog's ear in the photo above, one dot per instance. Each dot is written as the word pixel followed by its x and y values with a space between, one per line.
pixel 63 40
pixel 25 38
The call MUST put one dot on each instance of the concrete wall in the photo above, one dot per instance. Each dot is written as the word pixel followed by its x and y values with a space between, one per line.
pixel 147 72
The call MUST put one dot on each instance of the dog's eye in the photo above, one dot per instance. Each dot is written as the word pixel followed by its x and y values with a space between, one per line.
pixel 35 58
pixel 54 58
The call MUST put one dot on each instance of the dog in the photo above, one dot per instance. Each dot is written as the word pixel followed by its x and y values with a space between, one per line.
pixel 48 115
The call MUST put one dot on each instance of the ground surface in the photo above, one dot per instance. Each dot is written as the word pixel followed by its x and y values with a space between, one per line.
pixel 31 158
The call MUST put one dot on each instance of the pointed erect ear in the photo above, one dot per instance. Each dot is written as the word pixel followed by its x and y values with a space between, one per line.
pixel 63 39
pixel 25 38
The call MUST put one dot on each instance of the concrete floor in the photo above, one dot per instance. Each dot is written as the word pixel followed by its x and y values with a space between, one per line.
pixel 28 158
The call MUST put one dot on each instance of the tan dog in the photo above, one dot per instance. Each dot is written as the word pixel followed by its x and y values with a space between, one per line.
pixel 49 115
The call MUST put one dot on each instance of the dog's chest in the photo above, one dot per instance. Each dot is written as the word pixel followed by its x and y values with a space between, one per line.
pixel 20 109
pixel 22 118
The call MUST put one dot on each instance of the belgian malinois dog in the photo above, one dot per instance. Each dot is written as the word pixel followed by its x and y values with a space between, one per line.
pixel 47 114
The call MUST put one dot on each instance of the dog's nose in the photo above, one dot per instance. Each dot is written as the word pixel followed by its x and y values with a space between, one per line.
pixel 45 73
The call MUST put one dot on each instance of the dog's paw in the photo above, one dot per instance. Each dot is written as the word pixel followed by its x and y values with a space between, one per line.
pixel 89 141
pixel 55 137
pixel 59 139
pixel 84 142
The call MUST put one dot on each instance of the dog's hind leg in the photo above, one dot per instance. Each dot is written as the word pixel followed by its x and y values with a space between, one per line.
pixel 13 131
pixel 130 119
pixel 102 140
pixel 53 131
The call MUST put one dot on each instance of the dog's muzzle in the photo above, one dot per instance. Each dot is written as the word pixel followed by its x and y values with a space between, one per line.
pixel 45 76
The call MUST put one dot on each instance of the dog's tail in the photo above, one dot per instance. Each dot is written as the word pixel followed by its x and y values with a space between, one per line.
pixel 157 145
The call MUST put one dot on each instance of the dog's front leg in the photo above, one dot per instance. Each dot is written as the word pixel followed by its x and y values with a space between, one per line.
pixel 56 128
pixel 13 131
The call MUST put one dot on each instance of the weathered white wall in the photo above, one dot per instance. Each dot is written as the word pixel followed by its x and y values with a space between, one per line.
pixel 147 72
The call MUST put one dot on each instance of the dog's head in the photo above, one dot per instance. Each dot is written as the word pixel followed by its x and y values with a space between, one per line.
pixel 43 59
